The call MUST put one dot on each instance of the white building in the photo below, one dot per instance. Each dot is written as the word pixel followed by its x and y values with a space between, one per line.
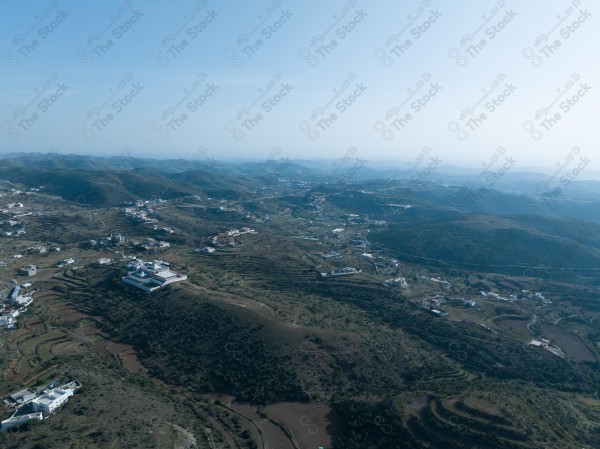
pixel 150 276
pixel 29 270
pixel 8 317
pixel 21 397
pixel 51 400
pixel 399 281
pixel 6 320
pixel 22 419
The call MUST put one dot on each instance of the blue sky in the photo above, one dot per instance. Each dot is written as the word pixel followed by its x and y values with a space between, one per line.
pixel 313 79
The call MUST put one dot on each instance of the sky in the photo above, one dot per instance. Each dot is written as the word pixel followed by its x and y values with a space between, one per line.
pixel 465 83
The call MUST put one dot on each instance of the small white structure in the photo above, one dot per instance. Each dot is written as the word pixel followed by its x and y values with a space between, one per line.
pixel 21 397
pixel 29 270
pixel 22 419
pixel 51 400
pixel 399 281
pixel 64 262
pixel 346 271
pixel 23 300
pixel 103 261
pixel 6 320
pixel 8 317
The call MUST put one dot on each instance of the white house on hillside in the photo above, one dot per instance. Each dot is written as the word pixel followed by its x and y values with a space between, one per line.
pixel 51 400
pixel 150 276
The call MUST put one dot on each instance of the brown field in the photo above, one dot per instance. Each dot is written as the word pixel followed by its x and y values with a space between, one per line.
pixel 126 355
pixel 273 435
pixel 66 348
pixel 313 424
pixel 570 343
pixel 519 326
pixel 70 315
pixel 34 324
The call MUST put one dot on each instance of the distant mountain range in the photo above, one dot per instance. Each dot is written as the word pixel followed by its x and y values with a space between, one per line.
pixel 113 180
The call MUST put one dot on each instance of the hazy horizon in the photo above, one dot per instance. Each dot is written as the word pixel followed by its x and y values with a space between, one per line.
pixel 165 80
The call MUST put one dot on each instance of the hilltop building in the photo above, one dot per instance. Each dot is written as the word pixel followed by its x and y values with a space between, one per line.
pixel 51 400
pixel 150 276
pixel 20 397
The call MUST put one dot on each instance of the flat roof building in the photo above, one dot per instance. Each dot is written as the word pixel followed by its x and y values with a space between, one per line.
pixel 21 419
pixel 51 400
pixel 150 276
pixel 23 396
pixel 29 270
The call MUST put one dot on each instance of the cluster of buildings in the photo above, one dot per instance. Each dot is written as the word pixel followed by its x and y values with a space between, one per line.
pixel 14 304
pixel 227 238
pixel 150 276
pixel 442 282
pixel 142 210
pixel 397 282
pixel 106 242
pixel 345 271
pixel 65 262
pixel 38 249
pixel 433 304
pixel 387 266
pixel 493 295
pixel 29 270
pixel 12 227
pixel 30 405
pixel 330 255
pixel 206 249
pixel 151 244
pixel 164 229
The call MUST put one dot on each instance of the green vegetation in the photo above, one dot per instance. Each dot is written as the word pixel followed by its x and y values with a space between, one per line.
pixel 258 321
